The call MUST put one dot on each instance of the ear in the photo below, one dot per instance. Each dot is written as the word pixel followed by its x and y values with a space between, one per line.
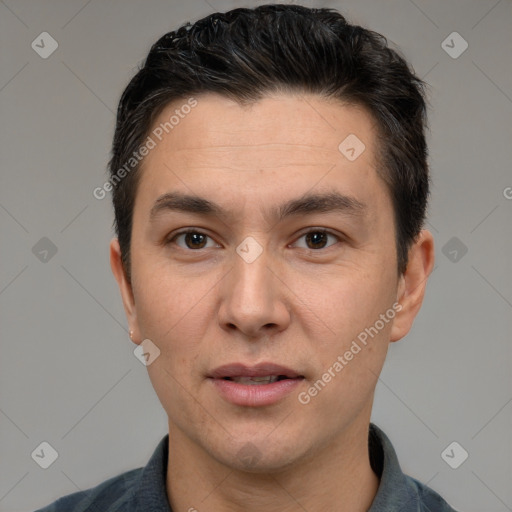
pixel 412 285
pixel 125 288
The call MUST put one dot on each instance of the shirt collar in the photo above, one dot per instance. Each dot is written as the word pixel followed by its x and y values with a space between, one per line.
pixel 394 491
pixel 150 492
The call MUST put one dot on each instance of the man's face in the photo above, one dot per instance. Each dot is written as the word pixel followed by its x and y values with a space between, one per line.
pixel 282 296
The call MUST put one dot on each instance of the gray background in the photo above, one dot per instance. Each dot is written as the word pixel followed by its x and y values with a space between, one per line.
pixel 68 375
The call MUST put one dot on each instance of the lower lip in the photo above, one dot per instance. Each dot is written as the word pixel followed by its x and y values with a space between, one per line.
pixel 255 395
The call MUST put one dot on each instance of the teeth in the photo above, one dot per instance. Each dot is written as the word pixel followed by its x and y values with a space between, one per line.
pixel 255 381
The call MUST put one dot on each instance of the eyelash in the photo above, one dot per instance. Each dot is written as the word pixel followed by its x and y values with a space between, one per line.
pixel 312 230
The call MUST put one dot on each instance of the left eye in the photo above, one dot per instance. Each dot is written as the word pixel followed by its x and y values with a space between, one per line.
pixel 317 238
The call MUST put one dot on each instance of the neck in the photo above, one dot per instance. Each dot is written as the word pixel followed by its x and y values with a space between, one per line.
pixel 338 474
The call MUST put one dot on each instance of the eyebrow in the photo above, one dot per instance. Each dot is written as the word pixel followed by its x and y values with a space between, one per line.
pixel 331 202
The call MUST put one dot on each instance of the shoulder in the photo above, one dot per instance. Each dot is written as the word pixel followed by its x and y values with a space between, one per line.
pixel 428 499
pixel 114 494
pixel 398 491
pixel 138 489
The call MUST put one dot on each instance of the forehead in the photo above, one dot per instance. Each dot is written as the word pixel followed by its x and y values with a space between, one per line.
pixel 305 121
pixel 273 146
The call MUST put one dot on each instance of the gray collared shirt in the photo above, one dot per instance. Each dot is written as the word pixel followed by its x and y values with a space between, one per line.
pixel 143 489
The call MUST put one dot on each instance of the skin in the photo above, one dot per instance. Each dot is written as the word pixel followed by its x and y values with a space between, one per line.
pixel 295 305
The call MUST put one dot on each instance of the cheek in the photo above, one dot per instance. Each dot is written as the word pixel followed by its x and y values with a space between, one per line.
pixel 168 302
pixel 349 365
pixel 351 303
pixel 171 313
pixel 357 334
pixel 178 336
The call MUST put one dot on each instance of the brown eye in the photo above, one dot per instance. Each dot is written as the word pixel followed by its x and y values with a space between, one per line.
pixel 192 239
pixel 318 238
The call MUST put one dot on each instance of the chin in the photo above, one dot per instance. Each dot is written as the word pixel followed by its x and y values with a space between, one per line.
pixel 257 455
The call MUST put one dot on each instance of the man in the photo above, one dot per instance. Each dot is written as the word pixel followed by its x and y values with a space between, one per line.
pixel 270 182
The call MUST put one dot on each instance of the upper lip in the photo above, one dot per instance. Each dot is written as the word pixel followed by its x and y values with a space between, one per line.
pixel 259 370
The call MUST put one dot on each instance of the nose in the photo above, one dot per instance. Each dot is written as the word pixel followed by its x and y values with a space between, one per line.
pixel 254 297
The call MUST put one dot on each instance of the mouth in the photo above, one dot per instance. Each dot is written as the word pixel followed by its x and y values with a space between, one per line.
pixel 257 381
pixel 254 386
pixel 265 373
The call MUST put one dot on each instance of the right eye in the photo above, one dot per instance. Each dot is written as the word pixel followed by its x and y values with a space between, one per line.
pixel 193 239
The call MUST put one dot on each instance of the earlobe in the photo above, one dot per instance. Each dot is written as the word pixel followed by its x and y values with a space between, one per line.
pixel 125 288
pixel 412 285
